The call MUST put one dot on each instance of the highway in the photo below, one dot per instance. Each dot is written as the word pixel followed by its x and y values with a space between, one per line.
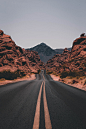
pixel 42 104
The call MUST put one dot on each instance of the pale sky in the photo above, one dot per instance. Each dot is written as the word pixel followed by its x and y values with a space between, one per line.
pixel 54 22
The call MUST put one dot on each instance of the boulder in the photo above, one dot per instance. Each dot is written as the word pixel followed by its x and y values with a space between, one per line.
pixel 1 32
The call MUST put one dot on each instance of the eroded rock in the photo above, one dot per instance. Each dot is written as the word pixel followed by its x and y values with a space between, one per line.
pixel 14 57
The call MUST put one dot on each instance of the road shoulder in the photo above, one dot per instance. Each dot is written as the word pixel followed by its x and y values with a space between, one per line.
pixel 68 81
pixel 32 77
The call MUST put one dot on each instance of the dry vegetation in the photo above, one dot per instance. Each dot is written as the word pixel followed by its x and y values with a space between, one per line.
pixel 77 81
pixel 8 75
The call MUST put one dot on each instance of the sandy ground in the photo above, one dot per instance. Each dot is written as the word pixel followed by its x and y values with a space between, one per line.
pixel 55 78
pixel 32 77
pixel 80 83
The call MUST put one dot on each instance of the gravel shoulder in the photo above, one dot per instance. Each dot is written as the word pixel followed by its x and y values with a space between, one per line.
pixel 78 83
pixel 3 82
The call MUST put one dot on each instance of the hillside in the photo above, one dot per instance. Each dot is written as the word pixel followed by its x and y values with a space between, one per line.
pixel 70 63
pixel 45 52
pixel 13 57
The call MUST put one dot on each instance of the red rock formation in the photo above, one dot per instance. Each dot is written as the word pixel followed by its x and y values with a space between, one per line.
pixel 70 61
pixel 58 60
pixel 14 57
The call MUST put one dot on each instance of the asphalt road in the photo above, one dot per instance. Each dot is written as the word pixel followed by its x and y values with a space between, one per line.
pixel 42 104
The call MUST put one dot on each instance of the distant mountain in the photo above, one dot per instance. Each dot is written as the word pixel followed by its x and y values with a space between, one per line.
pixel 45 52
pixel 60 51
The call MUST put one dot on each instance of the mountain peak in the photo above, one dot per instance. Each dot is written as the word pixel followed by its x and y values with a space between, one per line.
pixel 46 52
pixel 42 44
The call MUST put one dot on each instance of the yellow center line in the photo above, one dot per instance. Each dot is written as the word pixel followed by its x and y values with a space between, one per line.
pixel 46 111
pixel 37 113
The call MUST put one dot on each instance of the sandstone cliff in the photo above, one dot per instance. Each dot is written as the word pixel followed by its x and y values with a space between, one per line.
pixel 13 57
pixel 70 61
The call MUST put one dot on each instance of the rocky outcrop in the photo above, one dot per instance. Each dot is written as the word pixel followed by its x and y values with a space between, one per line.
pixel 14 57
pixel 57 61
pixel 74 60
pixel 77 60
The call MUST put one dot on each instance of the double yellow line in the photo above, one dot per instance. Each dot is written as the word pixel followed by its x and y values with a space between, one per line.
pixel 46 111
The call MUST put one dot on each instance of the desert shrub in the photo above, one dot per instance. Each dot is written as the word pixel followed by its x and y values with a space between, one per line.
pixel 64 74
pixel 54 73
pixel 11 75
pixel 74 81
pixel 48 72
pixel 2 79
pixel 37 72
pixel 71 74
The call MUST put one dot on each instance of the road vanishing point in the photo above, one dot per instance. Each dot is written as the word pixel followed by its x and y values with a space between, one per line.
pixel 42 104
